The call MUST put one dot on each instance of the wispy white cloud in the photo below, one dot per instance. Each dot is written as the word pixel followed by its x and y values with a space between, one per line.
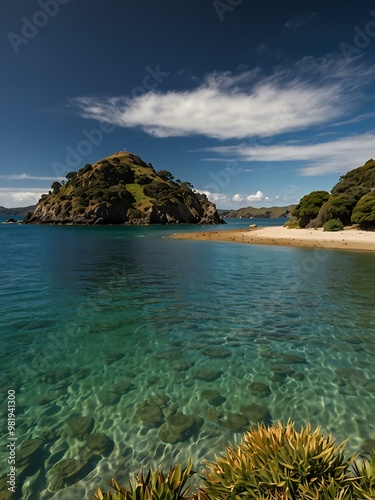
pixel 320 158
pixel 260 48
pixel 22 177
pixel 355 119
pixel 238 106
pixel 299 21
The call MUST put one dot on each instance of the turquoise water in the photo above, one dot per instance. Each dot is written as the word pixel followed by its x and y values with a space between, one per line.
pixel 85 309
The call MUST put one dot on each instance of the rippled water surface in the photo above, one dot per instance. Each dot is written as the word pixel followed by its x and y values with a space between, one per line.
pixel 132 329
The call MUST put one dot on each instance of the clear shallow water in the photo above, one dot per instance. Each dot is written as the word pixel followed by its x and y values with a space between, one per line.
pixel 83 309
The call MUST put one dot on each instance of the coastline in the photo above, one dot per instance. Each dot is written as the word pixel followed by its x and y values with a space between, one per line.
pixel 353 239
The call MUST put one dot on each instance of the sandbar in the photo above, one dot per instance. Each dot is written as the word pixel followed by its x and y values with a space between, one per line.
pixel 350 239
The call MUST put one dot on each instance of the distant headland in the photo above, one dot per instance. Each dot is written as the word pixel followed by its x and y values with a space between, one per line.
pixel 123 189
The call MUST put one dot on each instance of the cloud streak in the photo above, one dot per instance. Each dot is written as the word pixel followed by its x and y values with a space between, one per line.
pixel 299 21
pixel 321 158
pixel 238 106
pixel 22 177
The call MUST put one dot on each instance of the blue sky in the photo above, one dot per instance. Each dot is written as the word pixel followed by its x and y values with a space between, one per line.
pixel 254 104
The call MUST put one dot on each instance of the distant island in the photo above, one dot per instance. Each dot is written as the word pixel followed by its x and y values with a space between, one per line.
pixel 351 201
pixel 123 189
pixel 258 213
pixel 23 211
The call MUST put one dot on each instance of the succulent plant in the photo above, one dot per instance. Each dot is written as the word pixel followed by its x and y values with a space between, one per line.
pixel 152 486
pixel 272 463
pixel 364 483
pixel 278 462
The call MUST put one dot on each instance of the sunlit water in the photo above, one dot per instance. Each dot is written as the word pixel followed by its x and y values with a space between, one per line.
pixel 85 308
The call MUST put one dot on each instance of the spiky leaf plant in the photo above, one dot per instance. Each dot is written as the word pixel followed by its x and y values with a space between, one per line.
pixel 364 483
pixel 279 462
pixel 152 486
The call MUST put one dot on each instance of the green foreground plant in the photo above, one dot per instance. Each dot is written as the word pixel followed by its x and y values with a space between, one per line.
pixel 274 462
pixel 152 486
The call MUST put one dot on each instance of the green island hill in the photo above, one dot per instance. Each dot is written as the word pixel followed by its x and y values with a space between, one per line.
pixel 259 213
pixel 351 202
pixel 123 189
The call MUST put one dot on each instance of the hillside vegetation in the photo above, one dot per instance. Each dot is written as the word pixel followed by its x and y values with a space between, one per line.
pixel 351 201
pixel 119 189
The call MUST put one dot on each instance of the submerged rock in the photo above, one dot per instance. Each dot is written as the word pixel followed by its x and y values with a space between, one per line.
pixel 213 415
pixel 256 413
pixel 183 366
pixel 108 398
pixel 213 397
pixel 368 445
pixel 112 357
pixel 29 453
pixel 179 428
pixel 234 422
pixel 66 472
pixel 49 435
pixel 99 443
pixel 208 374
pixel 79 427
pixel 151 416
pixel 216 352
pixel 170 410
pixel 282 369
pixel 54 376
pixel 352 375
pixel 269 354
pixel 294 358
pixel 160 401
pixel 5 494
pixel 45 400
pixel 259 389
pixel 123 387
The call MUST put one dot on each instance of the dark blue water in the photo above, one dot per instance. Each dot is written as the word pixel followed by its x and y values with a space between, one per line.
pixel 86 308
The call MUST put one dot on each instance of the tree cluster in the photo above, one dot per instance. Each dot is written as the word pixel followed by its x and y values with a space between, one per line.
pixel 352 201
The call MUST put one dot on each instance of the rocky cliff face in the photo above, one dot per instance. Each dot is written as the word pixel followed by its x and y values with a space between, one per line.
pixel 122 189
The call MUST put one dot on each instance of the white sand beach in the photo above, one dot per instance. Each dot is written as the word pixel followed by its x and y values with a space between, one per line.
pixel 351 239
